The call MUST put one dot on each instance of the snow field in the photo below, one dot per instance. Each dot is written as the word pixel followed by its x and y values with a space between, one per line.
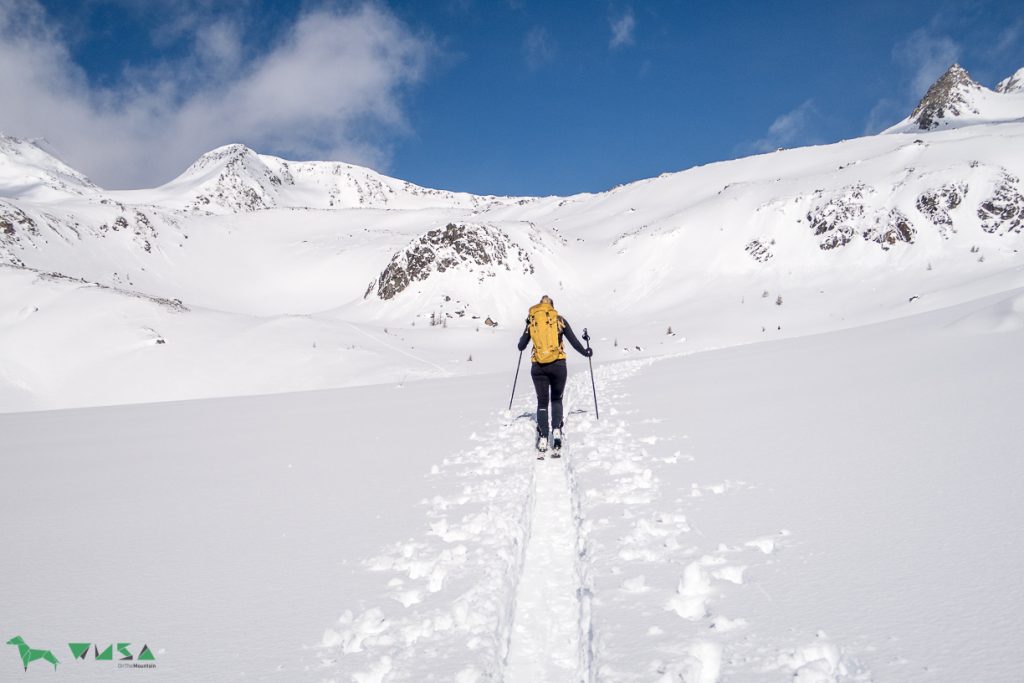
pixel 532 580
pixel 451 590
pixel 727 522
pixel 882 451
pixel 656 578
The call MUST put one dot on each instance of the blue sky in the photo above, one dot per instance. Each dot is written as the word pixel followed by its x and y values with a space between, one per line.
pixel 497 96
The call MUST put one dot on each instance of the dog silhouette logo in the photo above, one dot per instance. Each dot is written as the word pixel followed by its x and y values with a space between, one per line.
pixel 30 655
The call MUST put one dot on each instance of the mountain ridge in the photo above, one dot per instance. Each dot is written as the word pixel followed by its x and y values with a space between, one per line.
pixel 271 260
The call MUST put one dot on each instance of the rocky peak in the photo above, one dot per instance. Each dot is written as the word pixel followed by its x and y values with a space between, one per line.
pixel 235 178
pixel 235 158
pixel 1014 83
pixel 948 97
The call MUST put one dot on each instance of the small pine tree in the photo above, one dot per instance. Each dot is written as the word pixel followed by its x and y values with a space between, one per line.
pixel 615 343
pixel 669 331
pixel 470 359
pixel 433 319
pixel 778 301
pixel 929 265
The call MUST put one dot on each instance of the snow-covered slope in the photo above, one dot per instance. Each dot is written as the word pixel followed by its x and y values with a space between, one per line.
pixel 27 171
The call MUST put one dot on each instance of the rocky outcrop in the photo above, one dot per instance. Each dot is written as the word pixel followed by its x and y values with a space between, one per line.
pixel 948 97
pixel 1003 212
pixel 758 251
pixel 836 220
pixel 1014 83
pixel 16 228
pixel 480 249
pixel 936 205
pixel 890 229
pixel 840 216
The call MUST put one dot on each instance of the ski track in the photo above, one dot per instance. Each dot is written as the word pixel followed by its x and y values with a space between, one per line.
pixel 545 637
pixel 583 568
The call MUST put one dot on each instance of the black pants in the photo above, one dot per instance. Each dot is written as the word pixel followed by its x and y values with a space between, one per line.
pixel 549 381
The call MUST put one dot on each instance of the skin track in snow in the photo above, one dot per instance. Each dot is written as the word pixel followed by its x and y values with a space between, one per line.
pixel 545 633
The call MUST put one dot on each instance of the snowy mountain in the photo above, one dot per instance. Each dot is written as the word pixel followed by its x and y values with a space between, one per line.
pixel 956 99
pixel 334 254
pixel 1012 84
pixel 235 179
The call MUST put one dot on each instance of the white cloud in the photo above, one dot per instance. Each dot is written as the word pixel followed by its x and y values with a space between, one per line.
pixel 328 89
pixel 794 128
pixel 538 48
pixel 925 56
pixel 623 29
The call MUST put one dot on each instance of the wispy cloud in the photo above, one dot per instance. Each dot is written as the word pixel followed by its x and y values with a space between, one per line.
pixel 623 30
pixel 538 47
pixel 1009 38
pixel 920 59
pixel 885 113
pixel 924 56
pixel 326 89
pixel 794 128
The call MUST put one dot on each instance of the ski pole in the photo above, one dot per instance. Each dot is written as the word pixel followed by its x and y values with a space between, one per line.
pixel 593 385
pixel 518 363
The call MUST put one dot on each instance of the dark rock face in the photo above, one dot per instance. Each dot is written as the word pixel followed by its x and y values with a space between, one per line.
pixel 948 97
pixel 758 251
pixel 890 229
pixel 936 205
pixel 1003 212
pixel 836 220
pixel 478 248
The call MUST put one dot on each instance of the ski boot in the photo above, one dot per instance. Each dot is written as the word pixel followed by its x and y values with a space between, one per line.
pixel 542 446
pixel 556 443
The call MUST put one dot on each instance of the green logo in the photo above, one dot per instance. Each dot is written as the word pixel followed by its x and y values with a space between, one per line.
pixel 30 655
pixel 80 650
